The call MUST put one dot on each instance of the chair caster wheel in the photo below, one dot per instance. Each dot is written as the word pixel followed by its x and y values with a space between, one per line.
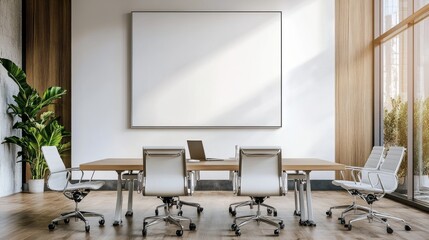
pixel 180 213
pixel 275 214
pixel 129 214
pixel 51 226
pixel 276 232
pixel 67 220
pixel 192 226
pixel 230 209
pixel 282 225
pixel 348 226
pixel 407 228
pixel 200 210
pixel 237 232
pixel 87 228
pixel 179 233
pixel 329 213
pixel 156 212
pixel 233 213
pixel 101 222
pixel 389 230
pixel 233 227
pixel 144 232
pixel 269 211
pixel 384 219
pixel 342 220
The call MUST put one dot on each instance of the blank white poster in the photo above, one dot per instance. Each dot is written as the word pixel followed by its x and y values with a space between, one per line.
pixel 206 69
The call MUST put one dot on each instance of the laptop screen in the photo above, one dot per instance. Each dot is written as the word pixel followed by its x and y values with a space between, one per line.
pixel 196 149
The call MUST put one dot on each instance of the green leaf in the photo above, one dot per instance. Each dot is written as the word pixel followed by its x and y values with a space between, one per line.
pixel 17 75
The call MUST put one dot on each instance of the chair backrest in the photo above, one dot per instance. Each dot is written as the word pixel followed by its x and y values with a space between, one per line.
pixel 260 171
pixel 164 172
pixel 391 164
pixel 56 181
pixel 374 161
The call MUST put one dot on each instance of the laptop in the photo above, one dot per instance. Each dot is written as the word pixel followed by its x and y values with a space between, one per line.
pixel 196 151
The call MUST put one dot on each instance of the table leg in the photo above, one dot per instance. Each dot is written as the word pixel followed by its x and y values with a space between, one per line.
pixel 310 221
pixel 303 219
pixel 129 212
pixel 118 211
pixel 297 211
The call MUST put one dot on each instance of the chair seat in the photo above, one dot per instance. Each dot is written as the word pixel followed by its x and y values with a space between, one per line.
pixel 348 185
pixel 93 185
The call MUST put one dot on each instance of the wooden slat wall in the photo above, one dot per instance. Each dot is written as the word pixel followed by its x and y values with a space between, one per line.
pixel 47 32
pixel 354 81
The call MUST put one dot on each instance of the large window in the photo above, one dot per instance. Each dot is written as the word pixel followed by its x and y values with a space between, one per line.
pixel 395 101
pixel 418 4
pixel 402 67
pixel 421 111
pixel 394 11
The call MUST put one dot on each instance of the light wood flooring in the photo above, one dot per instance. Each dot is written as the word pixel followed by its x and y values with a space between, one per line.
pixel 26 216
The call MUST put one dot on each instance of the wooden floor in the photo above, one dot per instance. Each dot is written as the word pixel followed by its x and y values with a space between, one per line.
pixel 26 216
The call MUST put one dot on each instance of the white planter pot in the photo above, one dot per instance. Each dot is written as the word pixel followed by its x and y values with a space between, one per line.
pixel 36 185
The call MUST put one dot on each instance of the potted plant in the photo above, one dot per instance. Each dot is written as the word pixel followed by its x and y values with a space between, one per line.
pixel 38 128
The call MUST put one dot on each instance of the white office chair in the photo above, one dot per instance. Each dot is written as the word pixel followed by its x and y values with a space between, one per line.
pixel 373 163
pixel 381 181
pixel 59 180
pixel 165 176
pixel 260 175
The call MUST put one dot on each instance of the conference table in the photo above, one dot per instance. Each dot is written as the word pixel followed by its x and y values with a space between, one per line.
pixel 306 165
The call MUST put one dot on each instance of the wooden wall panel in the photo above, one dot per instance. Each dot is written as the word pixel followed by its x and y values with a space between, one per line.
pixel 354 81
pixel 47 51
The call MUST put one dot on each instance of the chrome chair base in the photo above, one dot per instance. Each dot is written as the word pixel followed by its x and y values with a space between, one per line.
pixel 274 221
pixel 77 214
pixel 372 216
pixel 233 207
pixel 348 210
pixel 179 203
pixel 168 218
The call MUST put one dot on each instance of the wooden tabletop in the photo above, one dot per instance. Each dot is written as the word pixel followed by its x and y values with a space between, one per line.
pixel 290 164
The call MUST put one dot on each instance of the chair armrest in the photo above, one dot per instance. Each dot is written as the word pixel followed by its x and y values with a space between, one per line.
pixel 351 169
pixel 191 179
pixel 392 176
pixel 283 183
pixel 237 184
pixel 69 171
pixel 140 182
pixel 234 181
pixel 357 171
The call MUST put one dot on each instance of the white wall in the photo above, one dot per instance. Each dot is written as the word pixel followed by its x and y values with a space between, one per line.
pixel 101 78
pixel 10 48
